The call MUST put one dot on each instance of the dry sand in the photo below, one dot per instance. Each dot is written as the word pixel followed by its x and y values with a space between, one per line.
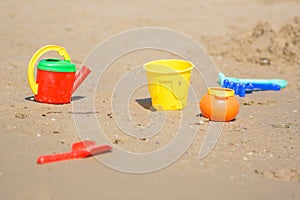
pixel 257 156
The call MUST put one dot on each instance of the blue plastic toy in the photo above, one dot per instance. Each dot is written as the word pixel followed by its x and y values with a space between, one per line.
pixel 282 83
pixel 243 86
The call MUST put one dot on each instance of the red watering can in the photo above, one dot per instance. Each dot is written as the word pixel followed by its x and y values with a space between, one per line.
pixel 56 79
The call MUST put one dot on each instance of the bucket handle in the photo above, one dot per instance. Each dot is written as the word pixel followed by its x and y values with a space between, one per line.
pixel 30 72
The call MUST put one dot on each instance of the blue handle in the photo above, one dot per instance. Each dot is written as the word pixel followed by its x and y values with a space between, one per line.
pixel 241 88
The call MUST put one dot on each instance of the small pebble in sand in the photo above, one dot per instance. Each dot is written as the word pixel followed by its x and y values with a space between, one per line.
pixel 144 139
pixel 270 155
pixel 53 119
pixel 206 119
pixel 199 123
pixel 295 110
pixel 38 135
pixel 118 141
pixel 55 131
pixel 264 61
pixel 61 141
pixel 20 115
pixel 251 117
pixel 245 158
pixel 110 115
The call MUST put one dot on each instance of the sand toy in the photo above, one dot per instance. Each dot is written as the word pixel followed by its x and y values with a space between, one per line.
pixel 79 150
pixel 56 79
pixel 168 83
pixel 243 86
pixel 219 104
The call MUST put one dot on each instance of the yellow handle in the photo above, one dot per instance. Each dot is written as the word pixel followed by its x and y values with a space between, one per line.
pixel 30 72
pixel 221 92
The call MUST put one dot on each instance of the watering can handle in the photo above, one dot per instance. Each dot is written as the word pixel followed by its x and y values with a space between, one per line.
pixel 30 72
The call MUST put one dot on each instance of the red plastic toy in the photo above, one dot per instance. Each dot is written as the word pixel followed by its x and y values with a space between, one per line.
pixel 56 79
pixel 79 150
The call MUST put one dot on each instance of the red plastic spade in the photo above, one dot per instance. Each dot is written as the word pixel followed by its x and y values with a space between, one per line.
pixel 79 150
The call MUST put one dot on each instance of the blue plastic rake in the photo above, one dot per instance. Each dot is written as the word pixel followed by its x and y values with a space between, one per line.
pixel 243 86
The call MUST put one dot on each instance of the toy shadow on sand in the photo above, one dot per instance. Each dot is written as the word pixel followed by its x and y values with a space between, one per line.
pixel 146 103
pixel 73 98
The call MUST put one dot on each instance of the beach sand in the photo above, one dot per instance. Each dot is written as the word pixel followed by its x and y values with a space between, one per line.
pixel 257 155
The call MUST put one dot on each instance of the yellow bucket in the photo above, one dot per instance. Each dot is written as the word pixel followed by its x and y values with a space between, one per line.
pixel 168 83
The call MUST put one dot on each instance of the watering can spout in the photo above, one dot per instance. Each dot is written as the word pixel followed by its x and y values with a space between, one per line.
pixel 80 77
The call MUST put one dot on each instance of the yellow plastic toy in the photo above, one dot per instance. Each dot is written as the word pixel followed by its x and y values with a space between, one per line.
pixel 168 83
